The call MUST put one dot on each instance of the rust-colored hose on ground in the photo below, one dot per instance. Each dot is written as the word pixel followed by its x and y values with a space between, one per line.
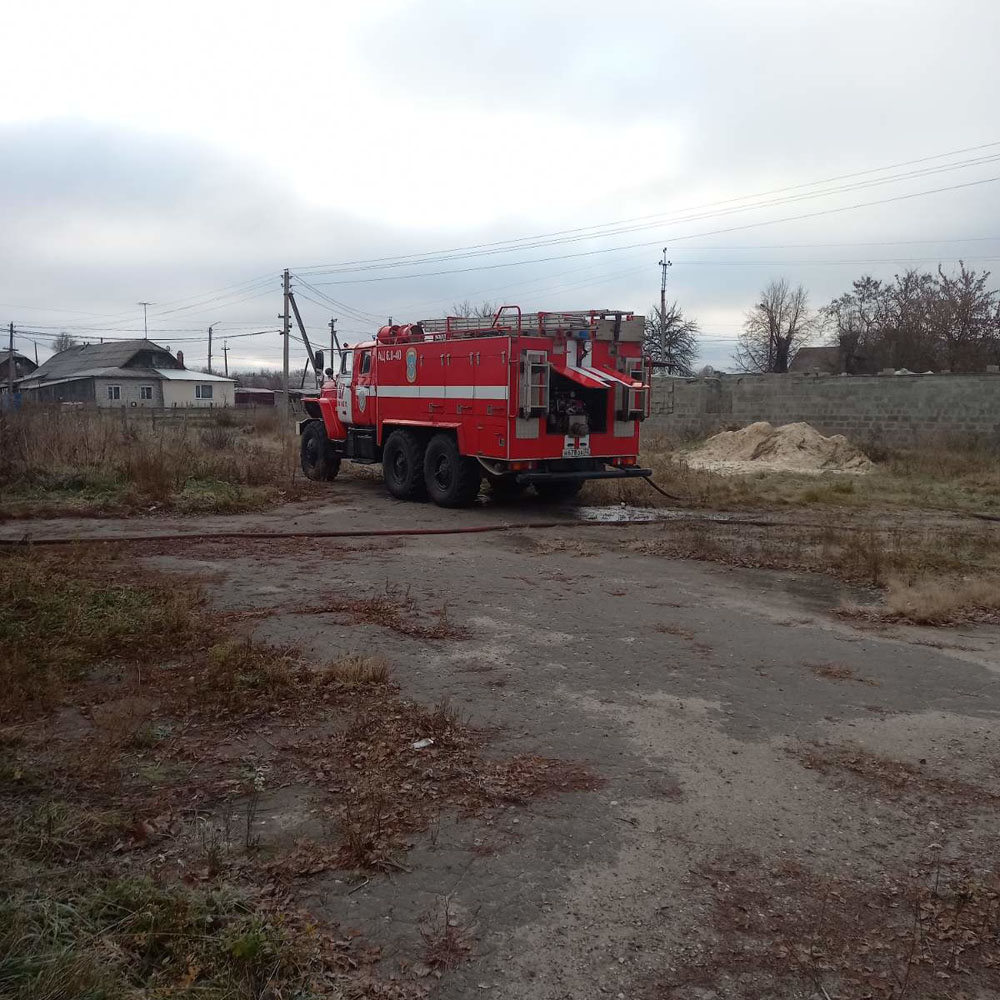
pixel 180 536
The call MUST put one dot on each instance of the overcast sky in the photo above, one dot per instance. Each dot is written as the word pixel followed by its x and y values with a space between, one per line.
pixel 185 153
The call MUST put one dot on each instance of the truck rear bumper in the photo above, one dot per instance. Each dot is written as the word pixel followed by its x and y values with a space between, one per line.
pixel 631 472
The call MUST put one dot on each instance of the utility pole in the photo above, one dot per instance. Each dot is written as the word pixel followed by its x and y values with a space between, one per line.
pixel 10 365
pixel 286 331
pixel 664 264
pixel 145 328
pixel 333 345
pixel 209 350
pixel 35 342
pixel 225 356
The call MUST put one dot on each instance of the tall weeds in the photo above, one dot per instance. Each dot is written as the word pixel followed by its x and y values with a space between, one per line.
pixel 141 457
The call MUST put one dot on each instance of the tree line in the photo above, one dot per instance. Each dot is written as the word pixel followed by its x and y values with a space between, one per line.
pixel 919 321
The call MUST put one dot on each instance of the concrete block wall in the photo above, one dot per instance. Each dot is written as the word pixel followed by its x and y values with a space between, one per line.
pixel 897 410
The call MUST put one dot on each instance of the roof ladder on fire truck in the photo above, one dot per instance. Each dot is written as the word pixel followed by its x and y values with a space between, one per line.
pixel 509 320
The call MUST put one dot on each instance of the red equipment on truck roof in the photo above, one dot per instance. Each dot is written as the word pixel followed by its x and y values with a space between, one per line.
pixel 547 399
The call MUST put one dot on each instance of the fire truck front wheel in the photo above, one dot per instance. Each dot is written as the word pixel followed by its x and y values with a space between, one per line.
pixel 403 466
pixel 452 479
pixel 319 459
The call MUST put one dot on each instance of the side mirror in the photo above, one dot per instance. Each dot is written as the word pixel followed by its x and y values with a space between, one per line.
pixel 318 361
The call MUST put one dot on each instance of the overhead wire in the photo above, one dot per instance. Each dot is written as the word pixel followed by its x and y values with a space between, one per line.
pixel 358 314
pixel 677 220
pixel 680 215
pixel 658 242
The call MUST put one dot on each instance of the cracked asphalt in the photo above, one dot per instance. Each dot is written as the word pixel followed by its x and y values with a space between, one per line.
pixel 692 688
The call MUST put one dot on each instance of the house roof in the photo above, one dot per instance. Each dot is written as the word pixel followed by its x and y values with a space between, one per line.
pixel 816 359
pixel 85 360
pixel 185 375
pixel 18 356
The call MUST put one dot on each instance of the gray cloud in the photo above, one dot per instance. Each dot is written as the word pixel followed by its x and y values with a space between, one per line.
pixel 744 96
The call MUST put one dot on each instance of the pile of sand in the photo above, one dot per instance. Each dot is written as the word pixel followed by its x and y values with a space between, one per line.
pixel 791 448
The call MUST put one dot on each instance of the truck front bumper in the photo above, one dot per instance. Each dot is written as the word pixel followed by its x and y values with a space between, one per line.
pixel 628 472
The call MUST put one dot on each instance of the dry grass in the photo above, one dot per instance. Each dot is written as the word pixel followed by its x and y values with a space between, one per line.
pixel 932 602
pixel 936 574
pixel 839 672
pixel 63 613
pixel 446 942
pixel 396 609
pixel 358 669
pixel 55 461
pixel 962 478
pixel 927 930
pixel 870 554
pixel 172 719
pixel 926 790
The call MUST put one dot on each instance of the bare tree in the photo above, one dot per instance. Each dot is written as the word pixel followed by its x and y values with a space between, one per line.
pixel 855 321
pixel 673 343
pixel 918 321
pixel 467 310
pixel 264 378
pixel 63 342
pixel 774 329
pixel 963 319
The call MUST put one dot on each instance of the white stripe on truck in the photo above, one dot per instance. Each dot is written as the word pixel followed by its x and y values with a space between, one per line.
pixel 443 391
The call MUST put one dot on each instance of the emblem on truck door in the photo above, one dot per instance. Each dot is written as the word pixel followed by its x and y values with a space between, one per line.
pixel 411 365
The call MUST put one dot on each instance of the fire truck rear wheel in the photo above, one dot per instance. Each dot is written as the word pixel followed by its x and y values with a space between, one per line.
pixel 452 478
pixel 403 466
pixel 320 461
pixel 565 490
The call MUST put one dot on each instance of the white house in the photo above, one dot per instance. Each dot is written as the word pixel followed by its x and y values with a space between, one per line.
pixel 129 373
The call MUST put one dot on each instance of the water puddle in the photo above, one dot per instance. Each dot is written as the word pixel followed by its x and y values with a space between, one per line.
pixel 623 513
pixel 637 515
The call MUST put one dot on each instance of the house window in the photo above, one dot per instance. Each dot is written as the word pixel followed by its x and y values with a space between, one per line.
pixel 202 392
pixel 145 392
pixel 114 392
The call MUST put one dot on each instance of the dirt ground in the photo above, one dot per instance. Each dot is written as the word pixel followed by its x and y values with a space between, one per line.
pixel 771 770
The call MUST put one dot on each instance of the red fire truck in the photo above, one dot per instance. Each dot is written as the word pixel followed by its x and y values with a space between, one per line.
pixel 546 399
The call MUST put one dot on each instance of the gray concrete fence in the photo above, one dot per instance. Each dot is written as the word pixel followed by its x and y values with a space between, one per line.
pixel 895 410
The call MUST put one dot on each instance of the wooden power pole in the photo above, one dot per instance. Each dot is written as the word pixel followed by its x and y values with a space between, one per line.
pixel 664 264
pixel 286 331
pixel 10 365
pixel 225 356
pixel 209 350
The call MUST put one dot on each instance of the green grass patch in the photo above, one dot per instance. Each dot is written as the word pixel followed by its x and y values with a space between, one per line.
pixel 123 938
pixel 63 613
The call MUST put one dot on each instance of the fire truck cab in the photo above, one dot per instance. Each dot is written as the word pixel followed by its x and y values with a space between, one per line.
pixel 546 399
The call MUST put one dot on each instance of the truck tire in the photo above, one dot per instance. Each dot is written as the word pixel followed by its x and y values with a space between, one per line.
pixel 320 461
pixel 403 466
pixel 564 490
pixel 452 479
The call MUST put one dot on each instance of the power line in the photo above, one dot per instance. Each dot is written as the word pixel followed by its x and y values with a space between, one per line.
pixel 633 246
pixel 120 340
pixel 676 220
pixel 358 314
pixel 594 230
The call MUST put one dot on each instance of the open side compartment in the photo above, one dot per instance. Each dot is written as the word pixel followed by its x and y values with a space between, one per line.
pixel 576 408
